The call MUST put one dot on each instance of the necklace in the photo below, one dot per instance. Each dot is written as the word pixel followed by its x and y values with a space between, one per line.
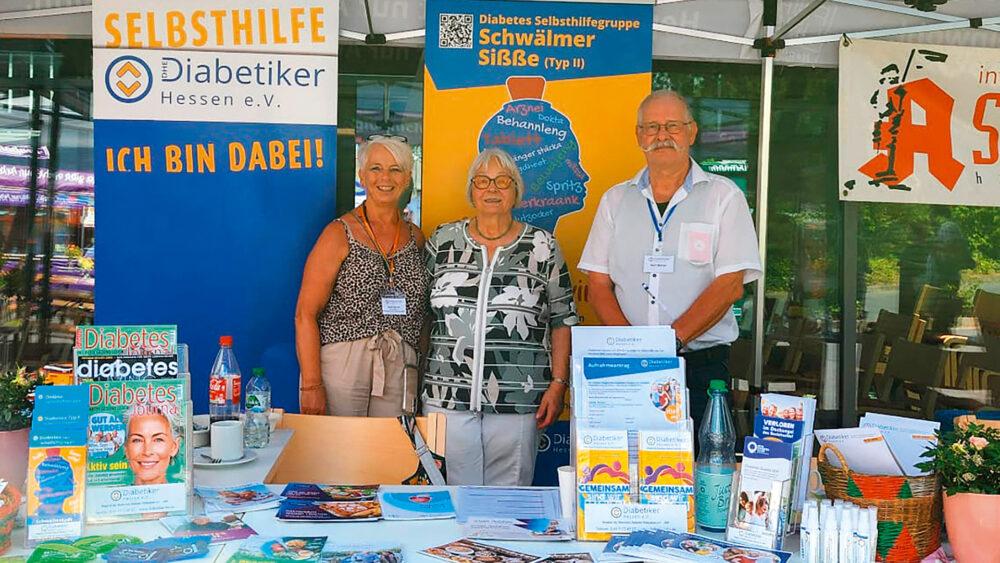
pixel 498 237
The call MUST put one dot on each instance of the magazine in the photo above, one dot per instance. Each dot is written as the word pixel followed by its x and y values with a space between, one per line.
pixel 309 491
pixel 468 551
pixel 421 505
pixel 138 441
pixel 245 498
pixel 329 511
pixel 123 353
pixel 362 554
pixel 222 528
pixel 302 549
pixel 56 463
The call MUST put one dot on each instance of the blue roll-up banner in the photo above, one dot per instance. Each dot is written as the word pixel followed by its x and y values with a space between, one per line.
pixel 215 161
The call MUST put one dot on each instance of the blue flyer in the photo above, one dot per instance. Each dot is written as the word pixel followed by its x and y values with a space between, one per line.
pixel 423 505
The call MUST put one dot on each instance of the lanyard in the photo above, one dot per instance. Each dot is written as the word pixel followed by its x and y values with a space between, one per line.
pixel 387 256
pixel 656 224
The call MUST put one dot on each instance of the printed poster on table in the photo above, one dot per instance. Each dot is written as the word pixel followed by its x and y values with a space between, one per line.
pixel 525 76
pixel 919 123
pixel 215 162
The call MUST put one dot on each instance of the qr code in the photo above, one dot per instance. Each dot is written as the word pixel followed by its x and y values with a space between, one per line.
pixel 455 31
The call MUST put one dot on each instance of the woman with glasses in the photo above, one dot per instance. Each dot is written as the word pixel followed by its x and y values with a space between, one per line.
pixel 501 307
pixel 363 298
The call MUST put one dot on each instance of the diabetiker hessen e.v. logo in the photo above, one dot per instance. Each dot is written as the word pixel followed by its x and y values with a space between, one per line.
pixel 128 79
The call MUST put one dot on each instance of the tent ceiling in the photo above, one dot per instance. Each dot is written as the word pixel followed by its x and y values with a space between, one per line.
pixel 403 22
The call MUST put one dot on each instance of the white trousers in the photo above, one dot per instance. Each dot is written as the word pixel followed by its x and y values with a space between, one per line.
pixel 489 449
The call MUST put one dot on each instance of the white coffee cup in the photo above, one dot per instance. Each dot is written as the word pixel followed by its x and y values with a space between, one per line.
pixel 227 440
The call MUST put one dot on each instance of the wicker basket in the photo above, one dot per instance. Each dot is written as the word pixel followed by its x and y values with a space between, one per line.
pixel 909 508
pixel 11 502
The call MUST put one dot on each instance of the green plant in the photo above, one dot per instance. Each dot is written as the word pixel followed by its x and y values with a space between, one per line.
pixel 16 390
pixel 967 460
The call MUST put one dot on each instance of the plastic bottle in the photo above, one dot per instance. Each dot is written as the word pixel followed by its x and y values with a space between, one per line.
pixel 713 474
pixel 224 384
pixel 830 536
pixel 257 428
pixel 848 523
pixel 862 554
pixel 809 534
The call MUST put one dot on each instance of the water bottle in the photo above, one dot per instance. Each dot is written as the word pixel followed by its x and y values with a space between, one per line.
pixel 257 428
pixel 713 473
pixel 224 384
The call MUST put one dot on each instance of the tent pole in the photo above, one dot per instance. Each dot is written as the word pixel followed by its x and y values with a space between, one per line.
pixel 763 163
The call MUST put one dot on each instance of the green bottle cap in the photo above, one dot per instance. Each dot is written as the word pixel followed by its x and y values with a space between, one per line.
pixel 258 372
pixel 717 385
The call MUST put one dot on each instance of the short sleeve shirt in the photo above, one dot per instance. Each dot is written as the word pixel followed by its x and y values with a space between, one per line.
pixel 492 319
pixel 708 231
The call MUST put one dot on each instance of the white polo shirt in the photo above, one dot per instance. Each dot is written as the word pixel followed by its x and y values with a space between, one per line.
pixel 708 232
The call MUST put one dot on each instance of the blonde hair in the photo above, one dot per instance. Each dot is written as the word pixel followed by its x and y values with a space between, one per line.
pixel 399 150
pixel 506 162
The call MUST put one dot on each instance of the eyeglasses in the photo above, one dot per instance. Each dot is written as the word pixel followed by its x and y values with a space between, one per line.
pixel 502 182
pixel 377 136
pixel 653 128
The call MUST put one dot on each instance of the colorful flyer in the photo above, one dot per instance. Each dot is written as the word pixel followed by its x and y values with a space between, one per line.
pixel 468 551
pixel 137 439
pixel 362 554
pixel 245 498
pixel 309 491
pixel 57 460
pixel 516 529
pixel 602 478
pixel 222 528
pixel 420 505
pixel 301 549
pixel 329 511
pixel 666 472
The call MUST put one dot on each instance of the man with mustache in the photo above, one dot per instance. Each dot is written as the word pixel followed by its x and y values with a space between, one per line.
pixel 673 246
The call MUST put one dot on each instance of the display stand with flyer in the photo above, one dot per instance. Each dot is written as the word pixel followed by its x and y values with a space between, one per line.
pixel 633 433
pixel 139 392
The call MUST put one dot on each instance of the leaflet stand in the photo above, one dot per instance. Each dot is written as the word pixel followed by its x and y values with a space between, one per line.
pixel 631 434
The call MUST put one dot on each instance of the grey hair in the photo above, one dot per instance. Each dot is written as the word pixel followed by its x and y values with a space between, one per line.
pixel 400 150
pixel 506 162
pixel 663 95
pixel 156 409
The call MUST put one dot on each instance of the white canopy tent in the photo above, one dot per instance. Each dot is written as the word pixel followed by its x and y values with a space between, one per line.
pixel 765 32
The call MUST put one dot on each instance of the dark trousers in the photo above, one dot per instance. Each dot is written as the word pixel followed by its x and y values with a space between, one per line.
pixel 702 366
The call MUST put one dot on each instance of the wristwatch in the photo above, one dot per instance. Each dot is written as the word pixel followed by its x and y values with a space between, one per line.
pixel 679 344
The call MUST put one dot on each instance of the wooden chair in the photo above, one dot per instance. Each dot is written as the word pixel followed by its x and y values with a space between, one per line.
pixel 977 369
pixel 986 308
pixel 938 307
pixel 872 345
pixel 342 450
pixel 912 370
pixel 894 326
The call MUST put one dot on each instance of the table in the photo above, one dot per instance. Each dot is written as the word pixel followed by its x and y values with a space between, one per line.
pixel 411 535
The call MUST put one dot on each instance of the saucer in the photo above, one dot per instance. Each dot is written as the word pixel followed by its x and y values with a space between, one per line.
pixel 202 455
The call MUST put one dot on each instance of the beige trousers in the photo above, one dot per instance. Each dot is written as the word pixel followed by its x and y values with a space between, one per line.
pixel 374 376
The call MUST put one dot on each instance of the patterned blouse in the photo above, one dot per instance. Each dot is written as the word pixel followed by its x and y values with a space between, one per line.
pixel 490 347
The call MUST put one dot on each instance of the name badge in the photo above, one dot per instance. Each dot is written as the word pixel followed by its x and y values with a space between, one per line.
pixel 656 264
pixel 393 302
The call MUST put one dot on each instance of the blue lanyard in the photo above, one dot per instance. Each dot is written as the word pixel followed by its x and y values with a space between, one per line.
pixel 656 224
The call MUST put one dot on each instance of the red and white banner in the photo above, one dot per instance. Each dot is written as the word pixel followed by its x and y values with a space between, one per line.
pixel 919 123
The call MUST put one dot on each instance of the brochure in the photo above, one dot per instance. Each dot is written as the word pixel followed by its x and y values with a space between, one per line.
pixel 245 498
pixel 667 546
pixel 329 511
pixel 602 478
pixel 160 551
pixel 123 353
pixel 762 503
pixel 511 529
pixel 468 551
pixel 223 528
pixel 508 502
pixel 420 505
pixel 666 473
pixel 286 548
pixel 127 478
pixel 864 449
pixel 610 553
pixel 309 491
pixel 56 463
pixel 790 419
pixel 907 438
pixel 362 554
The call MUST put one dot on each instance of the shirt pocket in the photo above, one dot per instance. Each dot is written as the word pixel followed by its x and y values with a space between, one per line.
pixel 696 244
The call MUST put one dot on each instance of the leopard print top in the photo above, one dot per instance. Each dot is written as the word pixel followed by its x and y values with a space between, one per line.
pixel 354 310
